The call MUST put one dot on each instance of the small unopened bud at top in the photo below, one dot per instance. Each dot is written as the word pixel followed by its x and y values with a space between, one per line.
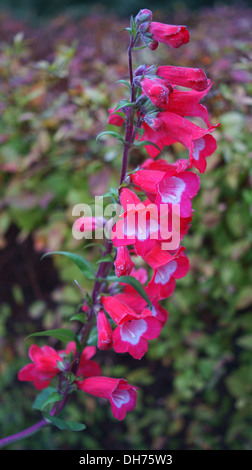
pixel 143 16
pixel 123 262
pixel 105 340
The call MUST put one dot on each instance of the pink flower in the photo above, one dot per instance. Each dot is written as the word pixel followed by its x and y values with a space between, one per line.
pixel 169 187
pixel 123 262
pixel 187 103
pixel 105 340
pixel 167 268
pixel 43 368
pixel 174 36
pixel 131 297
pixel 157 90
pixel 121 312
pixel 197 140
pixel 121 395
pixel 132 336
pixel 45 360
pixel 134 327
pixel 184 76
pixel 139 225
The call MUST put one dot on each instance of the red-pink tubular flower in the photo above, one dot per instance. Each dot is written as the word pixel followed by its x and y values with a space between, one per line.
pixel 179 189
pixel 167 268
pixel 184 76
pixel 105 340
pixel 121 312
pixel 157 90
pixel 131 336
pixel 123 263
pixel 187 103
pixel 174 36
pixel 45 360
pixel 43 367
pixel 139 225
pixel 115 119
pixel 171 187
pixel 197 140
pixel 131 297
pixel 122 396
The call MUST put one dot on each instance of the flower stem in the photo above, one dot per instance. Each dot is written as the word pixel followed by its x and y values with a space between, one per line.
pixel 22 434
pixel 129 126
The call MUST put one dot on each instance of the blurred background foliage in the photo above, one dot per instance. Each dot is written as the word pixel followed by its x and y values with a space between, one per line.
pixel 57 83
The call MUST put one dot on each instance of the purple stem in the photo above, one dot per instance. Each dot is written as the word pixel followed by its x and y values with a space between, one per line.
pixel 130 116
pixel 26 433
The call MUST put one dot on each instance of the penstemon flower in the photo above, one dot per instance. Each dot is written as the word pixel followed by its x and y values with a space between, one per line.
pixel 157 210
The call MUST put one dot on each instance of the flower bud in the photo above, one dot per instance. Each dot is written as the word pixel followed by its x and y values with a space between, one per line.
pixel 143 16
pixel 123 262
pixel 115 119
pixel 157 90
pixel 105 340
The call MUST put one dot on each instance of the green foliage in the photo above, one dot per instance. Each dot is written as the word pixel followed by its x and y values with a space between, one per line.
pixel 195 382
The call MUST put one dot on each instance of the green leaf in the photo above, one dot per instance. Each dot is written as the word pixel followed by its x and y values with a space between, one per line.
pixel 93 337
pixel 129 31
pixel 52 399
pixel 64 425
pixel 146 142
pixel 63 334
pixel 120 113
pixel 124 82
pixel 138 48
pixel 114 134
pixel 79 317
pixel 85 267
pixel 42 397
pixel 133 282
pixel 106 259
pixel 124 104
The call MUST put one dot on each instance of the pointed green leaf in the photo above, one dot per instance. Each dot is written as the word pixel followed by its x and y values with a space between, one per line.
pixel 138 48
pixel 121 114
pixel 42 397
pixel 124 82
pixel 52 399
pixel 124 104
pixel 64 425
pixel 146 142
pixel 106 259
pixel 63 334
pixel 79 317
pixel 85 267
pixel 93 337
pixel 113 134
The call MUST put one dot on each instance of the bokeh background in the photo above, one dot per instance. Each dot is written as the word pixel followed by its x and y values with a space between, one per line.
pixel 59 61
